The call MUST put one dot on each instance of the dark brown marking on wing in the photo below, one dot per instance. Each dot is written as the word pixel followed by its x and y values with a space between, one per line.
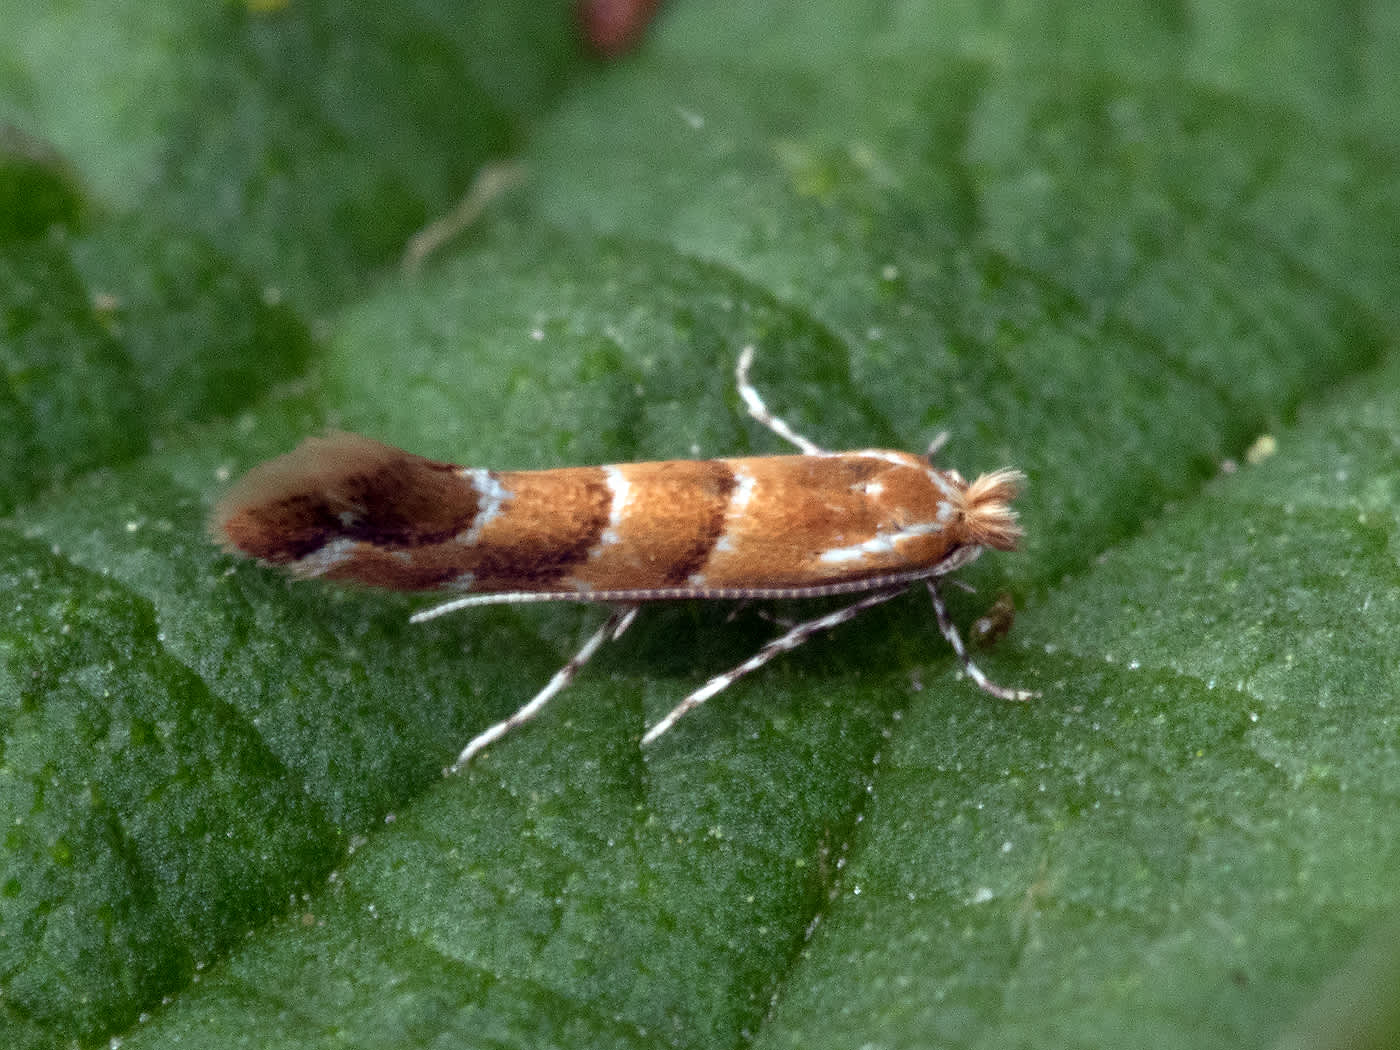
pixel 343 486
pixel 712 490
pixel 552 521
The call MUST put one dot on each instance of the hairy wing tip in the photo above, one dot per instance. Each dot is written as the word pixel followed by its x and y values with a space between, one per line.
pixel 266 505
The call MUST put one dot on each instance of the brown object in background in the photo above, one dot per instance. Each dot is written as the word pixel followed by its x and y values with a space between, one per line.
pixel 613 27
pixel 993 625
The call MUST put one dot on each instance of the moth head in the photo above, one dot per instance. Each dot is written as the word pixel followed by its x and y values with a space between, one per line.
pixel 987 513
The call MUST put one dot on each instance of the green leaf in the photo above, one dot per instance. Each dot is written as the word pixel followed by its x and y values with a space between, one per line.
pixel 1144 254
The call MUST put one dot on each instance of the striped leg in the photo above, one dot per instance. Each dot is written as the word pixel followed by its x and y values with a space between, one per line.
pixel 782 644
pixel 621 618
pixel 950 632
pixel 759 410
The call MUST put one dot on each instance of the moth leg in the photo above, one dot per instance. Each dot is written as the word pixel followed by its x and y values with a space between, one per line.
pixel 782 644
pixel 785 622
pixel 950 632
pixel 621 618
pixel 759 410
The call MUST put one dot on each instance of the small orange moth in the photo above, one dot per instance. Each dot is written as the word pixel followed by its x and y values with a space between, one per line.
pixel 820 523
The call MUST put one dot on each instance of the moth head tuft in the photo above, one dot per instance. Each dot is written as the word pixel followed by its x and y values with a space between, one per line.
pixel 987 514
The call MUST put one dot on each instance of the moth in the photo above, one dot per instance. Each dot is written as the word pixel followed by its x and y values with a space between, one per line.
pixel 870 523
